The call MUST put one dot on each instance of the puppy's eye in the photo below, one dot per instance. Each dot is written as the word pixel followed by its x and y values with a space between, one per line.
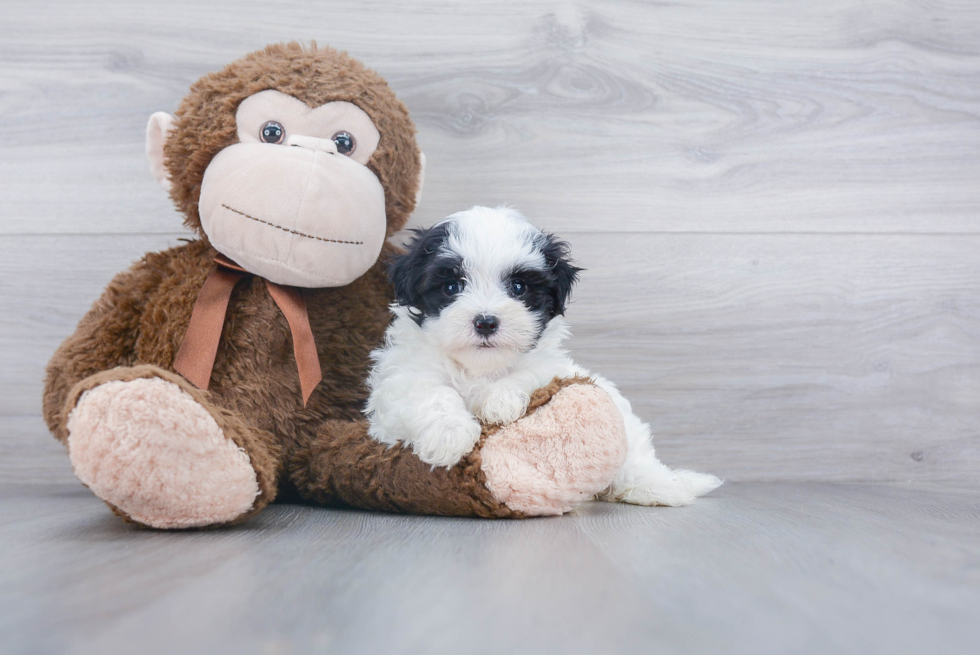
pixel 517 288
pixel 453 287
pixel 345 143
pixel 272 132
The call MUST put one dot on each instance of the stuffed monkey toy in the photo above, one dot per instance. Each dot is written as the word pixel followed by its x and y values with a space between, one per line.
pixel 211 377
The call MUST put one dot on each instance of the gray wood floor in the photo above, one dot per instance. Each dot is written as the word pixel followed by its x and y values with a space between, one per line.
pixel 778 204
pixel 756 568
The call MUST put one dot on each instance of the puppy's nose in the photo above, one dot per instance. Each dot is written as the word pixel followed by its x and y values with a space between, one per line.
pixel 485 325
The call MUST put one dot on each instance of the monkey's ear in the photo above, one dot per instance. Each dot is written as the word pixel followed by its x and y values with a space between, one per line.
pixel 157 131
pixel 418 192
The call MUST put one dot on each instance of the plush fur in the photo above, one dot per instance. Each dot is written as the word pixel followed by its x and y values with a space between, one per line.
pixel 319 452
pixel 152 423
pixel 533 476
pixel 477 329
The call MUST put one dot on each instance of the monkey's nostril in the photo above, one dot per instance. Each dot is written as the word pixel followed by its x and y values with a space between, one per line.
pixel 300 145
pixel 313 143
pixel 485 325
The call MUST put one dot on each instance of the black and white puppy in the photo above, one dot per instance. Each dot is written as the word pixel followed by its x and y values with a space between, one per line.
pixel 478 327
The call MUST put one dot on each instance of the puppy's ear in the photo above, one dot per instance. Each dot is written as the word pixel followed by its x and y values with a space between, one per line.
pixel 556 255
pixel 405 271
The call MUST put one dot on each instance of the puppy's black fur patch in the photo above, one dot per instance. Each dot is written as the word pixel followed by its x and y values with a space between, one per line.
pixel 564 274
pixel 420 275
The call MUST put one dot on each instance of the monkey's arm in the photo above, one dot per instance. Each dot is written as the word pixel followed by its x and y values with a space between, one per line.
pixel 105 338
pixel 567 448
pixel 343 465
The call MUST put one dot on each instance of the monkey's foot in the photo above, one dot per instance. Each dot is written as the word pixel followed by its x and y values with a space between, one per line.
pixel 157 456
pixel 565 452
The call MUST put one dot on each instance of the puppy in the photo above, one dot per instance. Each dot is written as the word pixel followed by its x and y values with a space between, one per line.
pixel 478 327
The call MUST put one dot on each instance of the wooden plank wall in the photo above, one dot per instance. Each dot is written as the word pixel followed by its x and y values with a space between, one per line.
pixel 778 203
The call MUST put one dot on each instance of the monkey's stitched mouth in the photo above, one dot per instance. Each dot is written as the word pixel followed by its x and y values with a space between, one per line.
pixel 286 229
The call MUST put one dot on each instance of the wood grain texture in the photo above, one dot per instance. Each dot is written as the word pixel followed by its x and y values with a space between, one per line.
pixel 755 568
pixel 744 116
pixel 777 202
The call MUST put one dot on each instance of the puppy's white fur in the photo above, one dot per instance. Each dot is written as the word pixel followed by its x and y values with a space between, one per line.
pixel 433 383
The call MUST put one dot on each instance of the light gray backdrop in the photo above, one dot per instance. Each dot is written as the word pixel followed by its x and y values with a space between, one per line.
pixel 778 203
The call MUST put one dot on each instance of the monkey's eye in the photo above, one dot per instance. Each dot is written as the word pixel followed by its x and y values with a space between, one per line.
pixel 272 132
pixel 453 287
pixel 345 143
pixel 517 288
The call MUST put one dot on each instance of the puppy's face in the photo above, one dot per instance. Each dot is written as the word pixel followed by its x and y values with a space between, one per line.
pixel 484 283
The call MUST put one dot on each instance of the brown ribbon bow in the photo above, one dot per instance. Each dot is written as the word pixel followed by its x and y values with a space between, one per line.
pixel 195 359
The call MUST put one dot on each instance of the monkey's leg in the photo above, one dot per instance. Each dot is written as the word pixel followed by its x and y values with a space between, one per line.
pixel 159 453
pixel 567 448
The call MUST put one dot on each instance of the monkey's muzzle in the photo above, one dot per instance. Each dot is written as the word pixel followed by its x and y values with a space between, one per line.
pixel 293 215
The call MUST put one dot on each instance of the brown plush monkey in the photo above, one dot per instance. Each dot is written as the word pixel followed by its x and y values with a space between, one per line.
pixel 213 376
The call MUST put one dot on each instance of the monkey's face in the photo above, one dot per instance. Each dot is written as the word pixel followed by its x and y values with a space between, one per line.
pixel 294 201
pixel 295 161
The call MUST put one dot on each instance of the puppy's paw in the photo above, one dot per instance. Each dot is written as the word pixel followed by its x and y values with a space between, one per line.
pixel 503 405
pixel 447 439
